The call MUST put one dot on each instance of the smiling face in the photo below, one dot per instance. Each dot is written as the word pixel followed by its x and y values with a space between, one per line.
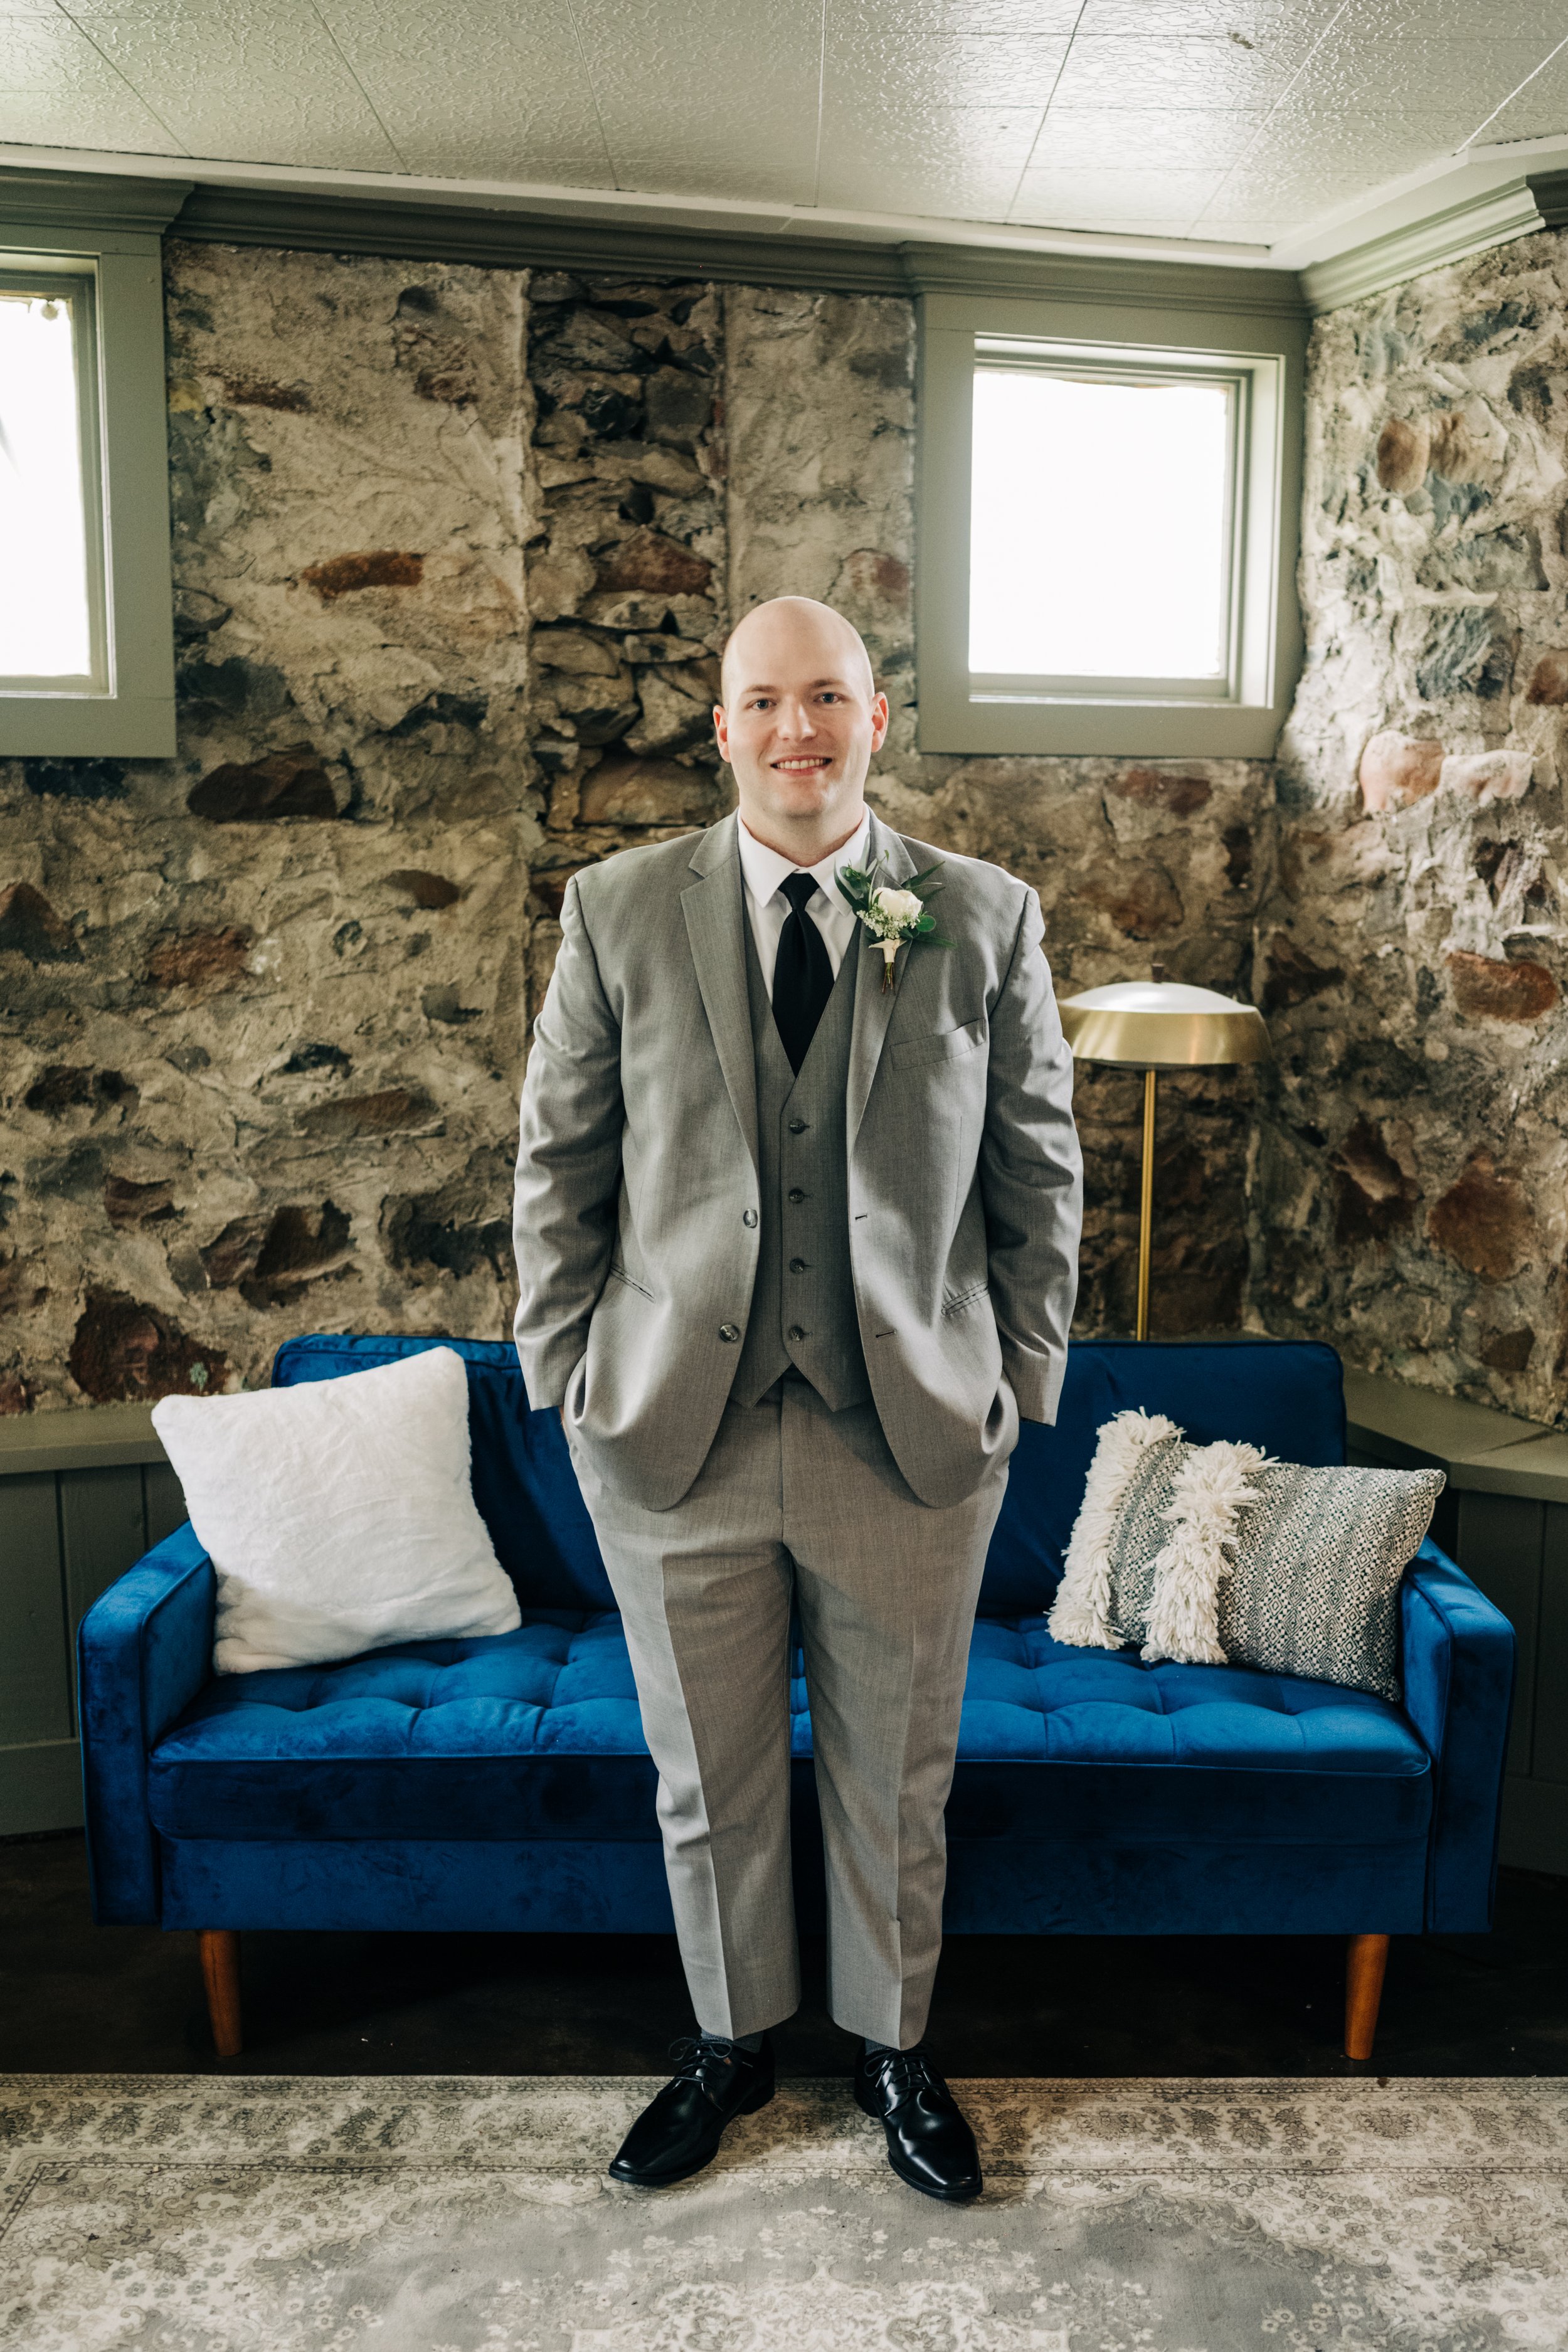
pixel 800 720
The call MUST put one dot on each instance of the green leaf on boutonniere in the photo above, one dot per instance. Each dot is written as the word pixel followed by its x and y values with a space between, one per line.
pixel 895 914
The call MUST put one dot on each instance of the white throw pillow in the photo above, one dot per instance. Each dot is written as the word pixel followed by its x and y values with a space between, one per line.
pixel 338 1513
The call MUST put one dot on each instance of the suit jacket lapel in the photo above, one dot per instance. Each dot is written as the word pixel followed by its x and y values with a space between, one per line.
pixel 874 1005
pixel 714 908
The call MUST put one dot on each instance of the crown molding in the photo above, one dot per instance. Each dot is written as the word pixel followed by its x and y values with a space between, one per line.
pixel 498 238
pixel 88 200
pixel 512 238
pixel 1494 217
pixel 1109 278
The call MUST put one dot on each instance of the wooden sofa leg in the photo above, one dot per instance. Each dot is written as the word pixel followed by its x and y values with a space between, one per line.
pixel 1366 1958
pixel 219 1948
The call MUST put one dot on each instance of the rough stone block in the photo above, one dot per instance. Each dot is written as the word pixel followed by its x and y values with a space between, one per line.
pixel 1397 769
pixel 287 785
pixel 1488 775
pixel 124 1351
pixel 632 792
pixel 380 567
pixel 1486 989
pixel 30 927
pixel 1484 1220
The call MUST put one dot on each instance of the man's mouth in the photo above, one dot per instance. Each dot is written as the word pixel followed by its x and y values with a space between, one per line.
pixel 803 767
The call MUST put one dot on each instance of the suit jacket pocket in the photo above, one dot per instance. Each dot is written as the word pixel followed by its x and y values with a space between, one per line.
pixel 619 1273
pixel 946 1045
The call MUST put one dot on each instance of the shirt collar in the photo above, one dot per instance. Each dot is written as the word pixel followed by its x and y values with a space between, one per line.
pixel 764 869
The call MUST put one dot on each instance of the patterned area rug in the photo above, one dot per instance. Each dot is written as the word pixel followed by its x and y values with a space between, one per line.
pixel 196 2214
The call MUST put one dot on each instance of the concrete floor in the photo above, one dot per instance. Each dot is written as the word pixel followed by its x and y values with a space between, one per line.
pixel 79 1999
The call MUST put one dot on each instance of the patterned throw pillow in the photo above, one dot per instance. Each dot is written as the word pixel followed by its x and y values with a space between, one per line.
pixel 1220 1555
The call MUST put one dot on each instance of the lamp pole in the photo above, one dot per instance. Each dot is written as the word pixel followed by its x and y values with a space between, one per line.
pixel 1146 1206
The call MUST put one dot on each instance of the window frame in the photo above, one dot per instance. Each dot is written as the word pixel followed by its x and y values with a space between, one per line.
pixel 47 231
pixel 1262 350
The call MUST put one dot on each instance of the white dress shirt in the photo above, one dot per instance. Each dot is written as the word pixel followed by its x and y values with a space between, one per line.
pixel 763 870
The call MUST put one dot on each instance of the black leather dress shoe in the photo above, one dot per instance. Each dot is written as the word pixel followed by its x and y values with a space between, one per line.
pixel 679 2132
pixel 929 2146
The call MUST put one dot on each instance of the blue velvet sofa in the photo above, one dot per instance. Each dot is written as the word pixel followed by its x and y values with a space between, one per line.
pixel 504 1783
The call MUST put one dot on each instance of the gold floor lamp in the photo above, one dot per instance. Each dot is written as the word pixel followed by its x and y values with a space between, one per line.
pixel 1153 1025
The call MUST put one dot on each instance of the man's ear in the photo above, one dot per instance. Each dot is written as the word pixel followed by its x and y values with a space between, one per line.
pixel 721 731
pixel 879 721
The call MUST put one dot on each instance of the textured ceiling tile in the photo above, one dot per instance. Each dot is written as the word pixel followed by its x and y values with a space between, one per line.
pixel 1111 197
pixel 894 76
pixel 268 87
pixel 1243 24
pixel 1208 73
pixel 1285 193
pixel 700 99
pixel 893 21
pixel 1329 145
pixel 720 167
pixel 1538 110
pixel 963 163
pixel 115 120
pixel 1458 80
pixel 477 88
pixel 1132 138
pixel 1540 22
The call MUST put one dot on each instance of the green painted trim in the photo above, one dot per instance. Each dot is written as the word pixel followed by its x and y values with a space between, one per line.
pixel 1496 218
pixel 89 1437
pixel 1174 287
pixel 1271 345
pixel 94 201
pixel 136 718
pixel 40 1788
pixel 1483 1451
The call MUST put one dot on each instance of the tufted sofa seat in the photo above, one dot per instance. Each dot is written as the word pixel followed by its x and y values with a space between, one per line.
pixel 536 1733
pixel 504 1783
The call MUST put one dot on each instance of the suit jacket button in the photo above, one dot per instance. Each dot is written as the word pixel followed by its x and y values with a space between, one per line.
pixel 797 1266
pixel 797 1127
pixel 795 1194
pixel 728 1331
pixel 748 1216
pixel 796 1333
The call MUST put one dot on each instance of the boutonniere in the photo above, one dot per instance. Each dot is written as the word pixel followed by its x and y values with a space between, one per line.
pixel 893 917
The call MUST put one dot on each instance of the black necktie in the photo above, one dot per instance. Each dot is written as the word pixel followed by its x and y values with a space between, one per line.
pixel 803 972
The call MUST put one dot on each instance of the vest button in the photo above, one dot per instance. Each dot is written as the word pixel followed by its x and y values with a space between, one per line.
pixel 748 1216
pixel 797 1127
pixel 797 1266
pixel 796 1333
pixel 730 1333
pixel 795 1194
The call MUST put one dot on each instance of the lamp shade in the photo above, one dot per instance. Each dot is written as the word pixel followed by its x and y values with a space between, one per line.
pixel 1142 1024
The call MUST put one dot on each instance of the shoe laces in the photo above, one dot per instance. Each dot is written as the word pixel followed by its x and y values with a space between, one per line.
pixel 904 2073
pixel 708 2064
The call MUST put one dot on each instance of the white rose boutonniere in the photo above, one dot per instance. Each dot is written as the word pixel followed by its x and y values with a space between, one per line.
pixel 894 917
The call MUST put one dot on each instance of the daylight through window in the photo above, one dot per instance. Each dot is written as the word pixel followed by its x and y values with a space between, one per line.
pixel 46 586
pixel 1101 526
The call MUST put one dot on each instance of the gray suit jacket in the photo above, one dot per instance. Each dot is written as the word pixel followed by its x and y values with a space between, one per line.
pixel 637 1201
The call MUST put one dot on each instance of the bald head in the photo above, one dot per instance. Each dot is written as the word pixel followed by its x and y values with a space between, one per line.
pixel 799 722
pixel 789 632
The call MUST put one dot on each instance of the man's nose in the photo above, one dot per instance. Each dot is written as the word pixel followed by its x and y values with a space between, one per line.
pixel 795 718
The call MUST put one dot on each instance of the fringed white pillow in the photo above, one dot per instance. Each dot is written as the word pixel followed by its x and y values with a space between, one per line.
pixel 1218 1555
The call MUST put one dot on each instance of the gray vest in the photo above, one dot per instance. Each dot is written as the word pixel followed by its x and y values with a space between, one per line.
pixel 803 1307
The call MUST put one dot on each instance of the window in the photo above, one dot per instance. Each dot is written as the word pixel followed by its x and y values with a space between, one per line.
pixel 1107 545
pixel 86 604
pixel 51 605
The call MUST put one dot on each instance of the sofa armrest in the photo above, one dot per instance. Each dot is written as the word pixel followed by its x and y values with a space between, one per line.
pixel 143 1652
pixel 1458 1666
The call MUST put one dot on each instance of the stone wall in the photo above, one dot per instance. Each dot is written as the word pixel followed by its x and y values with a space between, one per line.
pixel 454 555
pixel 1412 1151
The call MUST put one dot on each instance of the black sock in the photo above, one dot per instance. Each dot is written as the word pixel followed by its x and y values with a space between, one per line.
pixel 751 2042
pixel 878 2049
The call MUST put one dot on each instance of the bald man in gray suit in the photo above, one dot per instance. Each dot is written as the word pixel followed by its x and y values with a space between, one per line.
pixel 796 1252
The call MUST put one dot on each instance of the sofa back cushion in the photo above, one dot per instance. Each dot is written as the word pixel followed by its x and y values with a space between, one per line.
pixel 524 1485
pixel 1286 1396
